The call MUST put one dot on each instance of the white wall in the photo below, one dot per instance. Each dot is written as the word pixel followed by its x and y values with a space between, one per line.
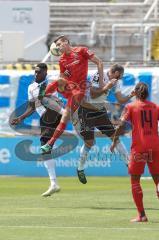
pixel 32 17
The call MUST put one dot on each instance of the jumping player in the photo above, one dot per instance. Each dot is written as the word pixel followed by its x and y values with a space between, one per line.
pixel 144 117
pixel 73 69
pixel 89 118
pixel 49 119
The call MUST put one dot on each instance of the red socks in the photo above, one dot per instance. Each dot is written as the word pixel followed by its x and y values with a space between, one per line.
pixel 137 196
pixel 59 130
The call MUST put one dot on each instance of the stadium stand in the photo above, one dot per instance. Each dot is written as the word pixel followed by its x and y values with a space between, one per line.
pixel 92 23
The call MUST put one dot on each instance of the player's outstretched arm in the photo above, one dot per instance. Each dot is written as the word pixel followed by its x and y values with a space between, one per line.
pixel 116 136
pixel 124 117
pixel 124 99
pixel 97 92
pixel 99 64
pixel 30 109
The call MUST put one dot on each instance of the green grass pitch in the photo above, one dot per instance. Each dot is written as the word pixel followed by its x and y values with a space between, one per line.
pixel 101 209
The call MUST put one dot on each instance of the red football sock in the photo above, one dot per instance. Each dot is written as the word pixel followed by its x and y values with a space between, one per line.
pixel 137 196
pixel 59 130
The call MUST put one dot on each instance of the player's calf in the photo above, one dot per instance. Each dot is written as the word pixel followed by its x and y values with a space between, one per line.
pixel 157 190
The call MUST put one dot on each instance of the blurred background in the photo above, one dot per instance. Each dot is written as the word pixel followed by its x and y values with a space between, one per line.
pixel 116 30
pixel 126 32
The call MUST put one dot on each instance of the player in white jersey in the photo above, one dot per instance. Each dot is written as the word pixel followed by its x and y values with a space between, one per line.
pixel 49 118
pixel 89 119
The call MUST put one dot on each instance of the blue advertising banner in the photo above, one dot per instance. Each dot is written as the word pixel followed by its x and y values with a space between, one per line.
pixel 101 162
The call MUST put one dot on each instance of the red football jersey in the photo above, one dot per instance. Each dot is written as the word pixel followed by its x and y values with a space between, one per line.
pixel 75 65
pixel 144 116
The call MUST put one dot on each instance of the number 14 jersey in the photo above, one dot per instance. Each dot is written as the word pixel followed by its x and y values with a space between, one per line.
pixel 144 116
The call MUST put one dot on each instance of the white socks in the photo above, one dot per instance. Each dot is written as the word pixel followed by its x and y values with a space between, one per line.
pixel 120 147
pixel 83 157
pixel 50 167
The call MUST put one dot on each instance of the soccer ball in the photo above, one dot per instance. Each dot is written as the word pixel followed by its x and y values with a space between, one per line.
pixel 54 50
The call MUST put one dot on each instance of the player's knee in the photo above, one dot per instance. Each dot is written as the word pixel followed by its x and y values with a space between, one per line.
pixel 135 180
pixel 89 143
pixel 65 116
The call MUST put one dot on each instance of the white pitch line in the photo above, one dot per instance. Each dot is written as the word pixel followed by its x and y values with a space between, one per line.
pixel 95 228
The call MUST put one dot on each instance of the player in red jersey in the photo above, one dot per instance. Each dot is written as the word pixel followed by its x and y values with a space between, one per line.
pixel 144 116
pixel 74 69
pixel 74 62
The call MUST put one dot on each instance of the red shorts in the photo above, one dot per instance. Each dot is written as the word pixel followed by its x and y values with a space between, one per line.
pixel 75 99
pixel 139 160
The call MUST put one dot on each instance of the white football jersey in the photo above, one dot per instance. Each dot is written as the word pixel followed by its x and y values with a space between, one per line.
pixel 33 93
pixel 94 82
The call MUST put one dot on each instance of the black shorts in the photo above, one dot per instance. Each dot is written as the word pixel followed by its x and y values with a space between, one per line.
pixel 48 123
pixel 90 119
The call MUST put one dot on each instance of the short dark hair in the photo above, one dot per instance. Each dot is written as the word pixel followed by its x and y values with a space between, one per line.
pixel 42 66
pixel 117 67
pixel 141 91
pixel 62 37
